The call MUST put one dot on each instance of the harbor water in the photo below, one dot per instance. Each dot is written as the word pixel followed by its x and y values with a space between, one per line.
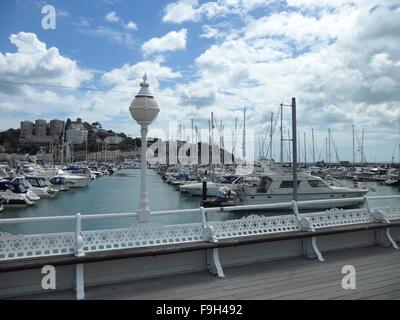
pixel 120 193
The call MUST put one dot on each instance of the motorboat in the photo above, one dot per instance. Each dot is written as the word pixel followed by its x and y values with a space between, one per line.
pixel 41 187
pixel 15 194
pixel 74 181
pixel 196 189
pixel 31 194
pixel 393 181
pixel 277 187
pixel 58 183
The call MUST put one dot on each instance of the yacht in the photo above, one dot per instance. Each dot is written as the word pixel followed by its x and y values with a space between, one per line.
pixel 74 181
pixel 196 189
pixel 41 187
pixel 31 194
pixel 276 187
pixel 14 194
pixel 58 183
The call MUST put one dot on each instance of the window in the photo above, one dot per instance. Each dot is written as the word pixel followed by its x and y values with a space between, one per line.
pixel 264 185
pixel 34 182
pixel 316 183
pixel 288 184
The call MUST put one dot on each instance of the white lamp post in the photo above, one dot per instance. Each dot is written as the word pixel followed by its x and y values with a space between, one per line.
pixel 144 109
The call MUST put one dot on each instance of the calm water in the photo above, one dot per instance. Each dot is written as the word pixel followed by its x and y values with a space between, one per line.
pixel 120 193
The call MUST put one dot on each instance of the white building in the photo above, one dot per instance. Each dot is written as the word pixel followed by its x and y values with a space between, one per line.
pixel 113 140
pixel 76 136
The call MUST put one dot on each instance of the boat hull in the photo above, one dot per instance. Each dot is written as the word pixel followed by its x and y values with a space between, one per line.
pixel 212 188
pixel 346 199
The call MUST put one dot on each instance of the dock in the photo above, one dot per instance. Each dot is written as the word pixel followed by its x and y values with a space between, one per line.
pixel 291 256
pixel 292 278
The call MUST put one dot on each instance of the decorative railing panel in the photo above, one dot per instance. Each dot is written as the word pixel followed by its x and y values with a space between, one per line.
pixel 337 217
pixel 254 225
pixel 392 212
pixel 149 234
pixel 25 246
pixel 154 234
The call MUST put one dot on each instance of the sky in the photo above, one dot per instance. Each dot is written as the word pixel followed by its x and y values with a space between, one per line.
pixel 340 59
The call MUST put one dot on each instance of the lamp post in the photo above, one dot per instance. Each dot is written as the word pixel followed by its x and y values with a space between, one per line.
pixel 144 109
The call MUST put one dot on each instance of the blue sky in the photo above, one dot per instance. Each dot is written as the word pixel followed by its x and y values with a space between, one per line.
pixel 204 56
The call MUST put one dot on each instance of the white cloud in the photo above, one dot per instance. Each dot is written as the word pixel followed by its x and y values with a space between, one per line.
pixel 180 11
pixel 131 25
pixel 34 62
pixel 113 17
pixel 174 40
pixel 190 10
pixel 111 35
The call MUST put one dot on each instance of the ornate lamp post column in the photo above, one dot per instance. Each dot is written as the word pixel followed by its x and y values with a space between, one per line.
pixel 144 109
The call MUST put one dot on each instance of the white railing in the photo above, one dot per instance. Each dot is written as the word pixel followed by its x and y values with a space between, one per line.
pixel 80 242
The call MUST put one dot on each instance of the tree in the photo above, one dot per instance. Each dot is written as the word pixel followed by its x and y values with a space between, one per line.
pixel 96 125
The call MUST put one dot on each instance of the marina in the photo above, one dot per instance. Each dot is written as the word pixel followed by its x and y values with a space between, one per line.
pixel 199 150
pixel 251 213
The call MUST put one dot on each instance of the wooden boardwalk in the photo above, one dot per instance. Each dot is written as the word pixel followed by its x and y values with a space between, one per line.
pixel 377 277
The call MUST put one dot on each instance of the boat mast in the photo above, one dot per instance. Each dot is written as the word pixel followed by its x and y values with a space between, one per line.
pixel 281 129
pixel 353 146
pixel 192 130
pixel 294 149
pixel 209 144
pixel 313 145
pixel 270 136
pixel 362 147
pixel 290 152
pixel 326 149
pixel 244 133
pixel 329 145
pixel 299 145
pixel 305 150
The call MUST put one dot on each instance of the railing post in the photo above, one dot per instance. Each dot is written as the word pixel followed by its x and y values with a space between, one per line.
pixel 79 252
pixel 375 215
pixel 303 223
pixel 208 231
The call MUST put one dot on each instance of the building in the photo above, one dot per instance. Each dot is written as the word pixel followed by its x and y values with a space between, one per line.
pixel 56 127
pixel 40 131
pixel 26 130
pixel 40 128
pixel 113 140
pixel 76 134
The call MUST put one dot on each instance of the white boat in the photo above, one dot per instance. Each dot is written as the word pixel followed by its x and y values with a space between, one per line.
pixel 58 183
pixel 27 186
pixel 276 187
pixel 14 194
pixel 75 181
pixel 196 189
pixel 41 187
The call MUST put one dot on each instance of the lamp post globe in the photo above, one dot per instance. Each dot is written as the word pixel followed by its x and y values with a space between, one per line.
pixel 144 109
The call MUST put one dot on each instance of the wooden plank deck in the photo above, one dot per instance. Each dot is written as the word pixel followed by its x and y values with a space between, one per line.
pixel 377 277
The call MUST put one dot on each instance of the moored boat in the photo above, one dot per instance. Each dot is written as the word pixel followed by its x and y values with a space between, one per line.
pixel 277 187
